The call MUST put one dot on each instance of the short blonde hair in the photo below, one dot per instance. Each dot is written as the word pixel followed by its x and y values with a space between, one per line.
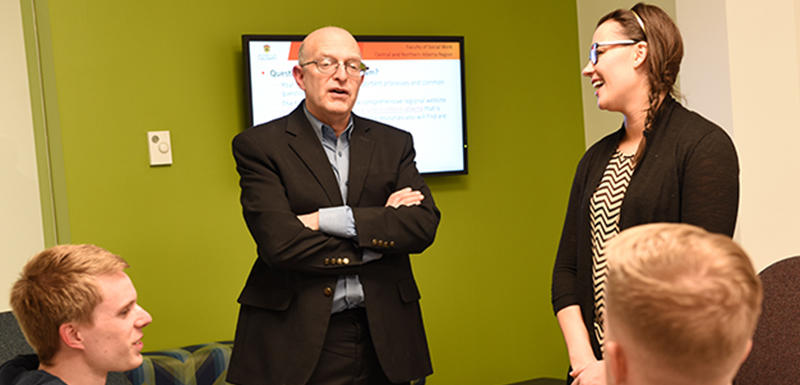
pixel 692 298
pixel 58 286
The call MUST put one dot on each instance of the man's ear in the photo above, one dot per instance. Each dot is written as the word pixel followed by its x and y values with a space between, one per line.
pixel 616 363
pixel 70 335
pixel 297 72
pixel 640 52
pixel 747 350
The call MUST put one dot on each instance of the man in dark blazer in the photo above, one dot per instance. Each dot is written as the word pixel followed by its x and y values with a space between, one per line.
pixel 335 204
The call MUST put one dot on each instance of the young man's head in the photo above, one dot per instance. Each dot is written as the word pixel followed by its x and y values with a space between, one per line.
pixel 681 306
pixel 75 302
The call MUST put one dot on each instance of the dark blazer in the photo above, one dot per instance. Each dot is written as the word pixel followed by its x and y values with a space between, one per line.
pixel 689 173
pixel 286 302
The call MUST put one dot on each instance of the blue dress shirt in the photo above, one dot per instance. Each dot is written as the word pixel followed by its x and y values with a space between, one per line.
pixel 339 221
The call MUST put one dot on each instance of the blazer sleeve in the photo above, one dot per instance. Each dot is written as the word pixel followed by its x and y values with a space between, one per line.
pixel 563 290
pixel 710 191
pixel 282 240
pixel 407 229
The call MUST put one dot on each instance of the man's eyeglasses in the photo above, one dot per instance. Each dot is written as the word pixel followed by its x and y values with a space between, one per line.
pixel 593 54
pixel 328 66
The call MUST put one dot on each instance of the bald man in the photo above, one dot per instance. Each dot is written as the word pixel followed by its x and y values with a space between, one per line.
pixel 335 204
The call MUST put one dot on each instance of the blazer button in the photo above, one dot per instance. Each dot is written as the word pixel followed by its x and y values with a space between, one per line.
pixel 338 261
pixel 325 261
pixel 391 244
pixel 374 242
pixel 346 260
pixel 327 291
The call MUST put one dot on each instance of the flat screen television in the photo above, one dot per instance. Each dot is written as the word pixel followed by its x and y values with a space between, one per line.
pixel 415 83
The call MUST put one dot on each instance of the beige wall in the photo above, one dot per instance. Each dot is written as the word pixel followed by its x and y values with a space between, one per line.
pixel 765 100
pixel 705 71
pixel 599 123
pixel 20 210
pixel 742 72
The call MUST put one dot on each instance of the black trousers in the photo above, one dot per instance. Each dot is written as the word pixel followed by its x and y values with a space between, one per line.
pixel 348 356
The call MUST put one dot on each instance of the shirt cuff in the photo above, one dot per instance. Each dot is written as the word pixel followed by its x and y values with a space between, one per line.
pixel 337 221
pixel 369 255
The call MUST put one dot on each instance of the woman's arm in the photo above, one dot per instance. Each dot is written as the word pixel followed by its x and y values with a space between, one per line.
pixel 575 336
pixel 586 369
pixel 710 191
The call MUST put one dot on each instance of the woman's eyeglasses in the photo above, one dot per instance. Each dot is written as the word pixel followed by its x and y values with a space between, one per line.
pixel 593 54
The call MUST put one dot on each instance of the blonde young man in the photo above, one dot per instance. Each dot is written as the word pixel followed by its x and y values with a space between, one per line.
pixel 681 306
pixel 77 309
pixel 335 205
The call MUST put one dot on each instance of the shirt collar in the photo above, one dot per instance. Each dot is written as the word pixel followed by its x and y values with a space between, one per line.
pixel 323 130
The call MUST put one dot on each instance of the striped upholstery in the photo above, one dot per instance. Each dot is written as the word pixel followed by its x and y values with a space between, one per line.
pixel 205 364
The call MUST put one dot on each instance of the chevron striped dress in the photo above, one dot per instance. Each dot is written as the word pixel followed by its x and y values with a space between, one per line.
pixel 604 211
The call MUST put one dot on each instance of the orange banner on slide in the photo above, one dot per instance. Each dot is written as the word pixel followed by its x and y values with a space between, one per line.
pixel 409 50
pixel 400 50
pixel 294 49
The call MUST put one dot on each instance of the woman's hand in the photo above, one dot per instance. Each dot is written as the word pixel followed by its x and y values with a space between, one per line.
pixel 593 373
pixel 587 370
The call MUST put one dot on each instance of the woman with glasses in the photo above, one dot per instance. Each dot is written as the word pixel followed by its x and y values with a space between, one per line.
pixel 665 164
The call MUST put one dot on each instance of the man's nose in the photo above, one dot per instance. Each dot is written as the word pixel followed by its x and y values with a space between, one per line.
pixel 144 319
pixel 341 72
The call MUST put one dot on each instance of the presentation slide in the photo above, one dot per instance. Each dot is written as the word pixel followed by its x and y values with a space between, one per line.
pixel 415 86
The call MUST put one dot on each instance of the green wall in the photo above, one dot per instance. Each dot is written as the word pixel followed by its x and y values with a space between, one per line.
pixel 121 68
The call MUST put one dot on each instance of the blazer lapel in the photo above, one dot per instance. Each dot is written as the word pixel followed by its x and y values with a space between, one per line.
pixel 361 147
pixel 306 145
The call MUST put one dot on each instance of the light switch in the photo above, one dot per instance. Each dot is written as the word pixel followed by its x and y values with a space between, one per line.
pixel 160 148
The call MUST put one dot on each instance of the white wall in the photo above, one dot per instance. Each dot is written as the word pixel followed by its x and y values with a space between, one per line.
pixel 705 70
pixel 754 44
pixel 20 212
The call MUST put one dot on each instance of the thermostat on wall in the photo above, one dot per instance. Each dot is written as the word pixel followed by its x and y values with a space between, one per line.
pixel 160 148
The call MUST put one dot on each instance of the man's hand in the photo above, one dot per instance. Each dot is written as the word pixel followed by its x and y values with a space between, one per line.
pixel 310 220
pixel 404 197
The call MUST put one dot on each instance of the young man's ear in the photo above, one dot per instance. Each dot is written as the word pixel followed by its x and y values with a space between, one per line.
pixel 747 350
pixel 70 335
pixel 616 363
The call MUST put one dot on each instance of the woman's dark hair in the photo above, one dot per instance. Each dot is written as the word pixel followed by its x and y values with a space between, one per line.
pixel 651 24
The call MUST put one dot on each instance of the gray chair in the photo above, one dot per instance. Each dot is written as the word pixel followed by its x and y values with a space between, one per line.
pixel 13 343
pixel 775 358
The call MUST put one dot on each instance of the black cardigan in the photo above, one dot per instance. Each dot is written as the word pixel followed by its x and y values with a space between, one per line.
pixel 689 173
